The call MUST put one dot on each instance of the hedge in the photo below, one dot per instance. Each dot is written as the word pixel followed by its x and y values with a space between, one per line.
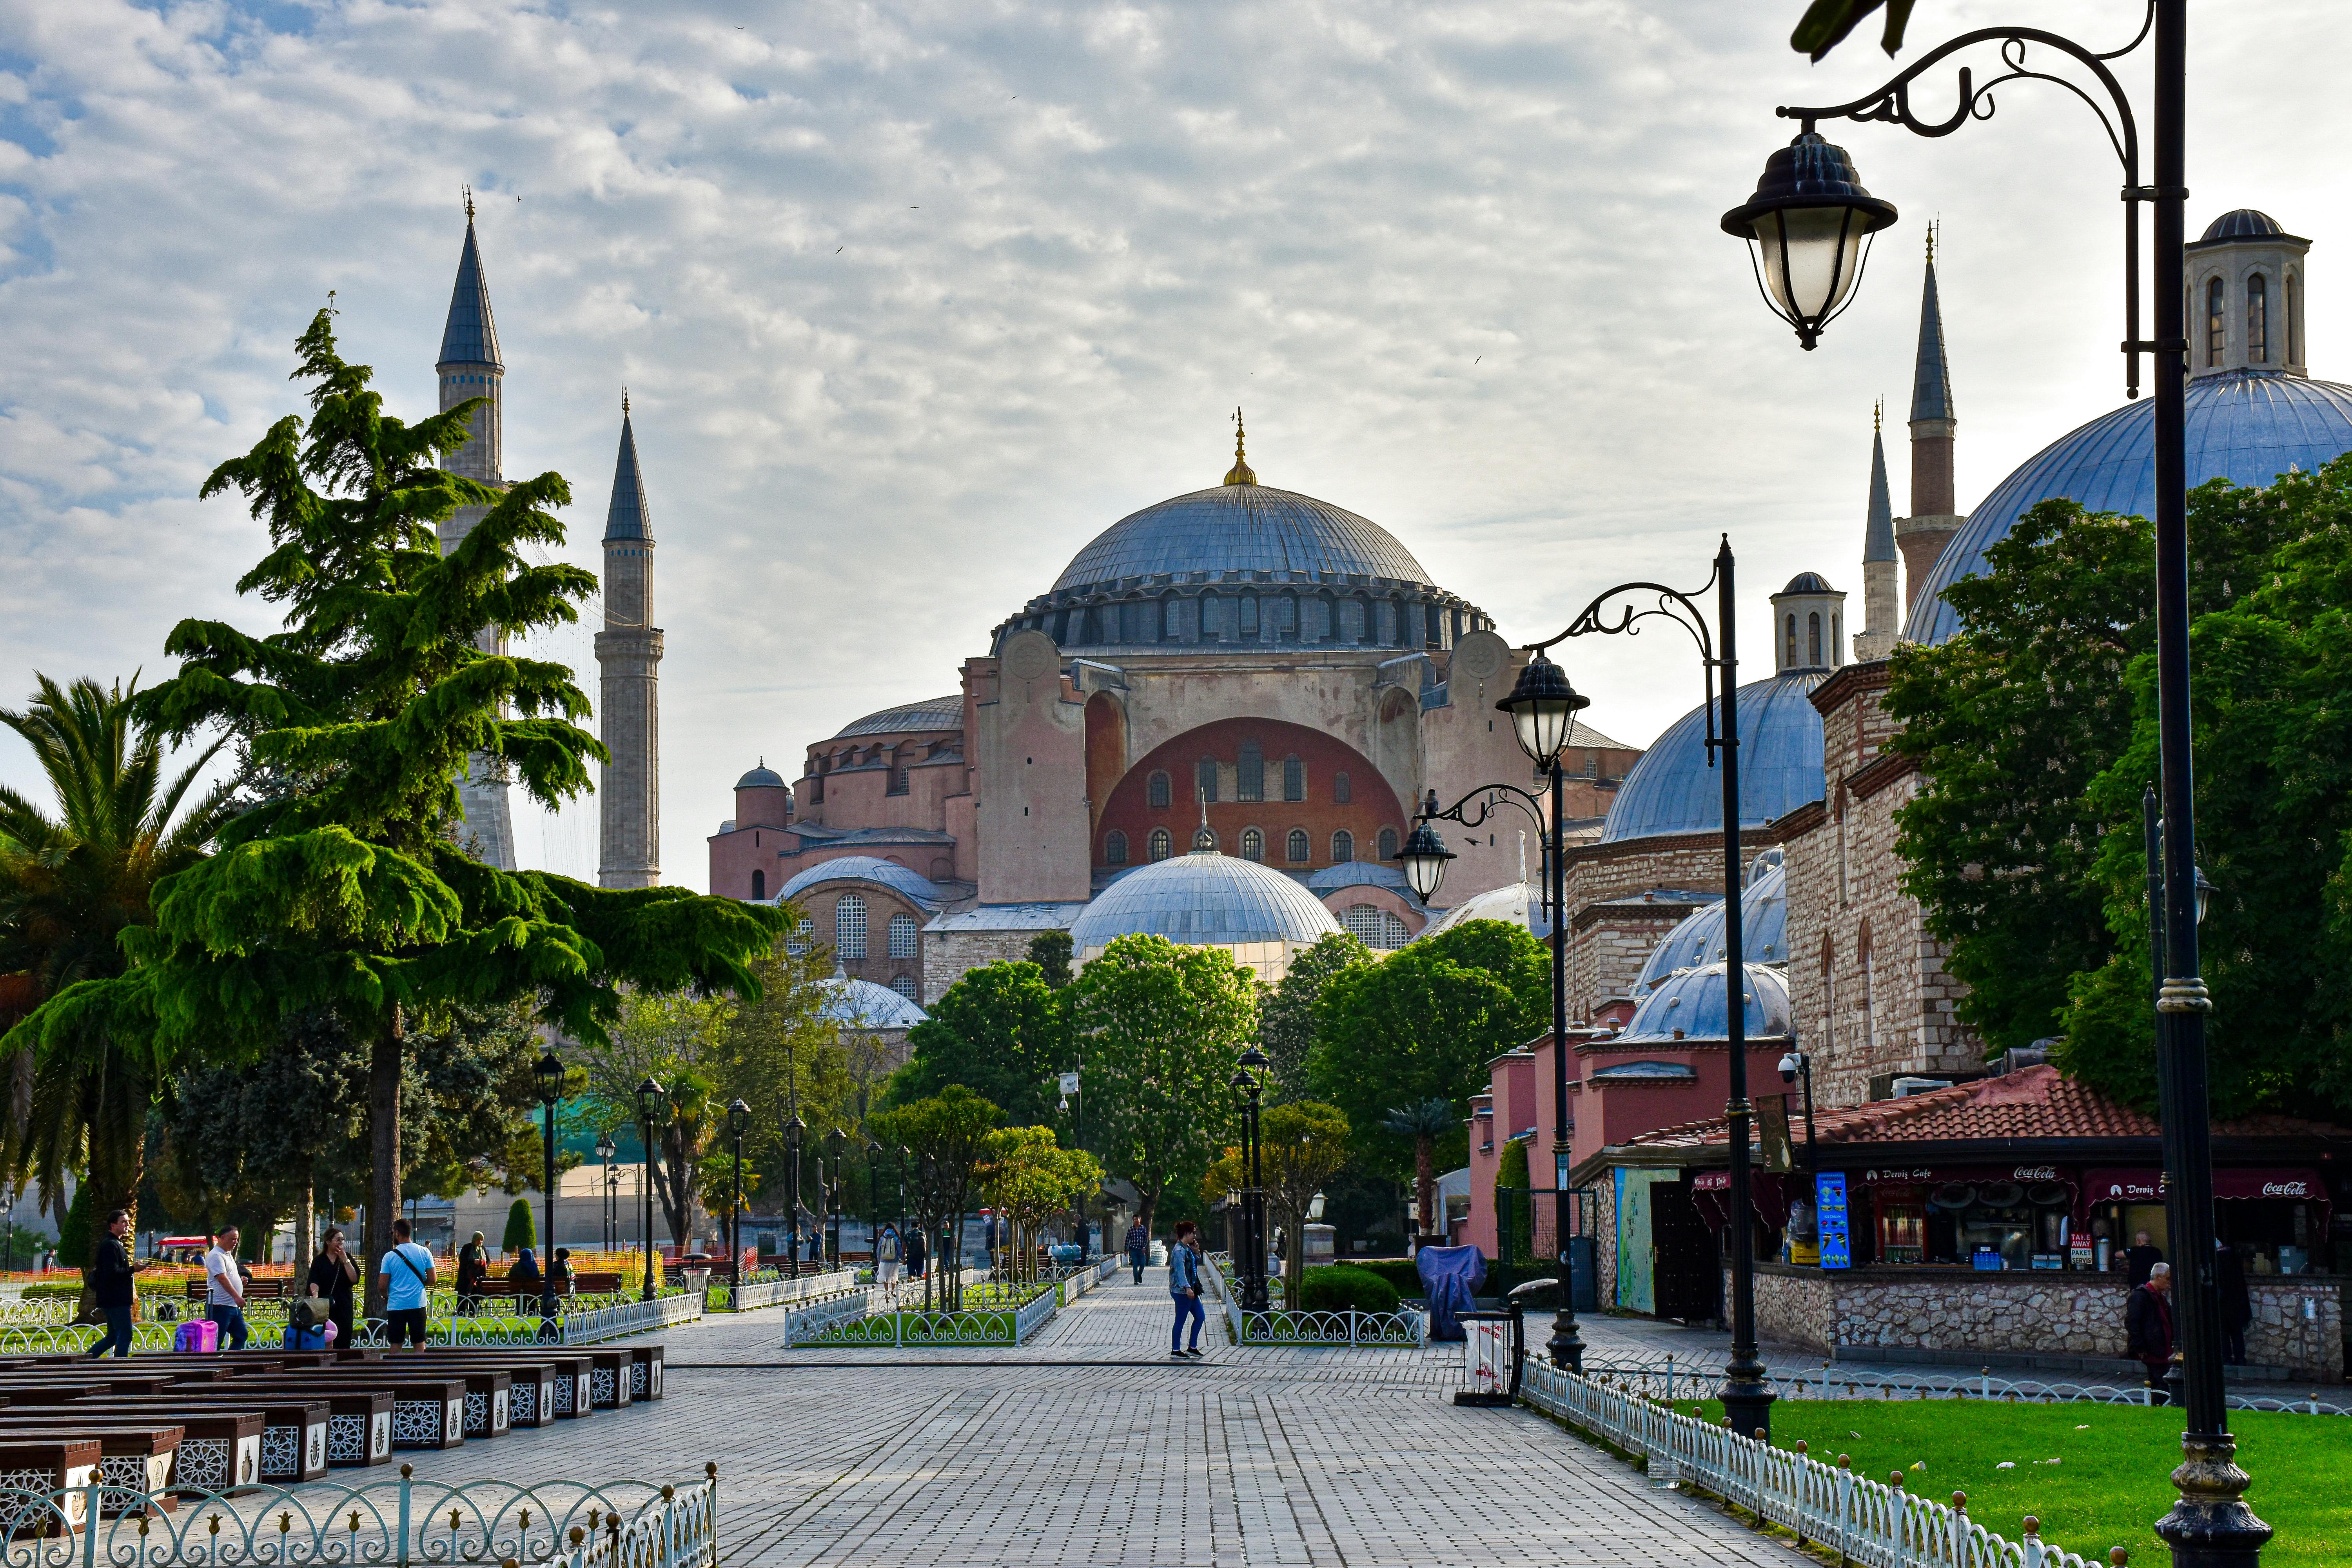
pixel 1342 1287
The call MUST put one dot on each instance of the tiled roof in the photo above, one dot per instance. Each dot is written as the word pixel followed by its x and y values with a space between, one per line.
pixel 2033 1102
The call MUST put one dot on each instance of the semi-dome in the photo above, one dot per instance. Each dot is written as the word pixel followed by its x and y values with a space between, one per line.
pixel 1763 928
pixel 762 777
pixel 1672 789
pixel 2247 427
pixel 1203 899
pixel 864 869
pixel 1690 1006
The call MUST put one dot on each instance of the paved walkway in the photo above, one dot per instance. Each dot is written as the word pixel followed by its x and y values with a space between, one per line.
pixel 1090 1448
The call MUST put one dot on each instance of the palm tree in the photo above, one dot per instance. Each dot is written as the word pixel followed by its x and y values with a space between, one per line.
pixel 69 886
pixel 1424 1122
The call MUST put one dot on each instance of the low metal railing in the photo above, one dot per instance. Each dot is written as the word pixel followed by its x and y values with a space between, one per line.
pixel 560 1524
pixel 1874 1524
pixel 867 1320
pixel 1670 1378
pixel 1281 1326
pixel 576 1328
pixel 781 1291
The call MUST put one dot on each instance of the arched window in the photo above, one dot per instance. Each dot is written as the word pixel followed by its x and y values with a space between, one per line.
pixel 1388 844
pixel 2294 319
pixel 1115 848
pixel 1869 993
pixel 1374 927
pixel 1293 778
pixel 1343 844
pixel 1205 780
pixel 849 925
pixel 1212 625
pixel 904 984
pixel 1161 844
pixel 1249 781
pixel 1252 844
pixel 803 936
pixel 1837 638
pixel 1813 638
pixel 1156 791
pixel 1168 618
pixel 758 884
pixel 1249 617
pixel 1286 617
pixel 902 936
pixel 2217 326
pixel 1298 847
pixel 1339 795
pixel 898 780
pixel 1351 620
pixel 2258 320
pixel 1789 660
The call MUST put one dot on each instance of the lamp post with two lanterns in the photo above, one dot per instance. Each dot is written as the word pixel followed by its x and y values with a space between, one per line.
pixel 605 1149
pixel 649 1108
pixel 739 1121
pixel 832 1142
pixel 1249 1079
pixel 549 1074
pixel 795 1130
pixel 1808 226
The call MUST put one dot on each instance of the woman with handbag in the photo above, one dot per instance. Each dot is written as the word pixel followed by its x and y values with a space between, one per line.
pixel 332 1275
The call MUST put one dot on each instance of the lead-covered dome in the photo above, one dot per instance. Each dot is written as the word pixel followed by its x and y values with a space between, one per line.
pixel 1247 528
pixel 1691 1006
pixel 1203 899
pixel 2246 427
pixel 1763 928
pixel 1672 789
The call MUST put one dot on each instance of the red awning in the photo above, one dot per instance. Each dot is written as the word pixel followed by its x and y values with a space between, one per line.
pixel 2298 1186
pixel 1937 1175
pixel 1712 1182
pixel 2123 1186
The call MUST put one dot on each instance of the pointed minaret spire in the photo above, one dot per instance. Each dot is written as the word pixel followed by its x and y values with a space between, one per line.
pixel 1934 516
pixel 1239 474
pixel 1880 614
pixel 628 662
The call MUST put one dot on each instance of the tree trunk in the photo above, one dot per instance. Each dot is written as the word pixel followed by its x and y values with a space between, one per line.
pixel 305 1222
pixel 384 1150
pixel 1425 1180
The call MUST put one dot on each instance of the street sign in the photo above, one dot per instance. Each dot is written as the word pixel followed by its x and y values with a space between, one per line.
pixel 1830 1211
pixel 1069 1083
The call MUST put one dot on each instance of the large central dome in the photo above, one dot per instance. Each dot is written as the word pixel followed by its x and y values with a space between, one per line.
pixel 1244 528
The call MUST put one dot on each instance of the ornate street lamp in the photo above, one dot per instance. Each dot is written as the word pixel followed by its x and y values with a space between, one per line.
pixel 739 1120
pixel 649 1111
pixel 605 1152
pixel 795 1130
pixel 2210 1525
pixel 549 1074
pixel 833 1193
pixel 1254 1067
pixel 1424 858
pixel 1808 229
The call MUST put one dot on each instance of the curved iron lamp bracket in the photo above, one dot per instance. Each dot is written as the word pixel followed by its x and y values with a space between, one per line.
pixel 1673 605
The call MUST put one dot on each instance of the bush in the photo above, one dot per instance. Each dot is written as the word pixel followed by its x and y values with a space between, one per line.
pixel 1342 1287
pixel 1399 1272
pixel 520 1231
pixel 74 1236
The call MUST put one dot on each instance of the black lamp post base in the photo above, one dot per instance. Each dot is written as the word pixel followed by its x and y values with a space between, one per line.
pixel 1566 1346
pixel 2211 1526
pixel 1749 1407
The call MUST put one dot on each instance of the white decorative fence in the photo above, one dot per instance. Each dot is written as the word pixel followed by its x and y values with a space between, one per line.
pixel 612 1322
pixel 1669 1379
pixel 1864 1521
pixel 560 1524
pixel 782 1292
pixel 1405 1329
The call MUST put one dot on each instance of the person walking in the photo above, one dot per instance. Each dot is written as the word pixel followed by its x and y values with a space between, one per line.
pixel 1138 1247
pixel 117 1295
pixel 2237 1303
pixel 1184 1290
pixel 472 1268
pixel 2140 1259
pixel 332 1273
pixel 886 1263
pixel 2148 1327
pixel 224 1289
pixel 918 1255
pixel 405 1277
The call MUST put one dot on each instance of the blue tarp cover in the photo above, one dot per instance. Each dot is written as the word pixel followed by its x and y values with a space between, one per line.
pixel 1450 1276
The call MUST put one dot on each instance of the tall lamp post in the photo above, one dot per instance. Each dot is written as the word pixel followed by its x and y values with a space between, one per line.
pixel 549 1074
pixel 1808 220
pixel 649 1110
pixel 795 1130
pixel 605 1152
pixel 739 1121
pixel 1255 1065
pixel 833 1193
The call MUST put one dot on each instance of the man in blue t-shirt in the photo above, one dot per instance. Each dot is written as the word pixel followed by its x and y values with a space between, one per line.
pixel 405 1277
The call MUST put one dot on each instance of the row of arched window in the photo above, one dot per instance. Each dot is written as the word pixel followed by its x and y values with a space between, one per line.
pixel 902 933
pixel 1298 846
pixel 1250 779
pixel 2258 320
pixel 1249 617
pixel 1813 646
pixel 1374 926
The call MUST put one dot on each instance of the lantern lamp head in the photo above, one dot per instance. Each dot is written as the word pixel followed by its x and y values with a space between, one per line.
pixel 549 1074
pixel 1543 707
pixel 1807 229
pixel 649 1101
pixel 1424 856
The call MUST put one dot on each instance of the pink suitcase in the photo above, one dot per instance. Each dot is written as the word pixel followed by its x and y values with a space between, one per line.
pixel 202 1335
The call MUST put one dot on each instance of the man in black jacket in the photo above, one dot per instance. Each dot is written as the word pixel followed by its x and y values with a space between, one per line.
pixel 113 1281
pixel 2147 1325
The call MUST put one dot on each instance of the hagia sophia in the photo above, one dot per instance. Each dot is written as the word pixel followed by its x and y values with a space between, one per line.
pixel 1214 725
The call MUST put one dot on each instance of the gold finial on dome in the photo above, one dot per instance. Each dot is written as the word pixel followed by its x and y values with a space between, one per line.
pixel 1239 474
pixel 469 202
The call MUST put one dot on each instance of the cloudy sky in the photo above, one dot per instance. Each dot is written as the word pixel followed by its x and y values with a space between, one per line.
pixel 915 299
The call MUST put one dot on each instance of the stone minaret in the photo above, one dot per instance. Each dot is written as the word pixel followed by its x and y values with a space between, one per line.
pixel 470 367
pixel 628 659
pixel 1934 516
pixel 1882 616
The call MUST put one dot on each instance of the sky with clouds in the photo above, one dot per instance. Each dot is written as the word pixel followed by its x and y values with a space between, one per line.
pixel 913 299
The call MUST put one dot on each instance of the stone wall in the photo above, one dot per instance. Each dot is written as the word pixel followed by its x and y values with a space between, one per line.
pixel 949 955
pixel 2057 1314
pixel 1608 942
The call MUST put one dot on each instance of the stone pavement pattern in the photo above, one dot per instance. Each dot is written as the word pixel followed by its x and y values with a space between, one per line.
pixel 1088 1446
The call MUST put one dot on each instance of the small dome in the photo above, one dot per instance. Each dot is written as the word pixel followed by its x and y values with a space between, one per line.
pixel 865 869
pixel 1672 789
pixel 762 777
pixel 1247 528
pixel 862 1004
pixel 2243 224
pixel 1807 583
pixel 2246 427
pixel 1693 1002
pixel 1522 903
pixel 1763 928
pixel 1203 899
pixel 937 713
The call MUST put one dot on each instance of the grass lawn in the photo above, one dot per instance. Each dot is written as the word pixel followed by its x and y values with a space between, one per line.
pixel 2111 1481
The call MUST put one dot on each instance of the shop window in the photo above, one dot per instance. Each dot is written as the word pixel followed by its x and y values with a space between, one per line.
pixel 902 936
pixel 1115 848
pixel 1293 779
pixel 1161 844
pixel 1298 846
pixel 1156 791
pixel 1252 844
pixel 1249 780
pixel 758 884
pixel 1343 844
pixel 849 925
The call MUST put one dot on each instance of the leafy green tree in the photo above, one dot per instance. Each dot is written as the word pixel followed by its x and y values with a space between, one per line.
pixel 1515 1243
pixel 947 1140
pixel 790 1051
pixel 1285 1019
pixel 1825 23
pixel 1160 1030
pixel 2012 720
pixel 1424 1122
pixel 1413 1027
pixel 1050 951
pixel 522 1229
pixel 1304 1147
pixel 346 891
pixel 1001 1032
pixel 1030 1178
pixel 1509 951
pixel 71 885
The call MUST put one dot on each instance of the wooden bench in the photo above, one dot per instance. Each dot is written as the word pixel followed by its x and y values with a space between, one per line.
pixel 47 1465
pixel 134 1453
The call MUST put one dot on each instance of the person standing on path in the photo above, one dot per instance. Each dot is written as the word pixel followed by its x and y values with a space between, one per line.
pixel 1184 1289
pixel 112 1280
pixel 224 1289
pixel 2148 1326
pixel 406 1276
pixel 886 1263
pixel 1139 1248
pixel 332 1273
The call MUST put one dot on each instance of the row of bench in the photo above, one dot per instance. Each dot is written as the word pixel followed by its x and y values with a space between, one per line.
pixel 228 1422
